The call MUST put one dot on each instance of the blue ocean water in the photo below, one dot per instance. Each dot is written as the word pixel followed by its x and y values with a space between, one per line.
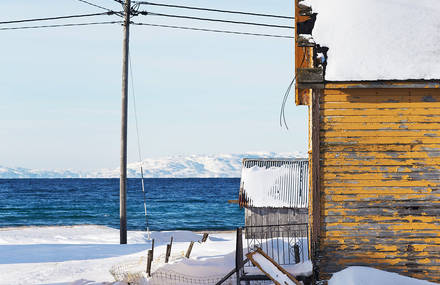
pixel 172 203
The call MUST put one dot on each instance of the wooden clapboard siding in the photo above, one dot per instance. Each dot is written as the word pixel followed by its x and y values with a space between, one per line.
pixel 379 180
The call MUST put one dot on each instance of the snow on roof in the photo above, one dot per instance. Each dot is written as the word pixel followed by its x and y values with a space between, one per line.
pixel 379 40
pixel 275 186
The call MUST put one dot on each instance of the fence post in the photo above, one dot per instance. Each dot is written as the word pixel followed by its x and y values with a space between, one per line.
pixel 188 252
pixel 152 248
pixel 296 250
pixel 149 261
pixel 205 237
pixel 238 253
pixel 168 252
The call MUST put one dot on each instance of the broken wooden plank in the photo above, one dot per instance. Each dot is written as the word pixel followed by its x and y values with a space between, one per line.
pixel 271 268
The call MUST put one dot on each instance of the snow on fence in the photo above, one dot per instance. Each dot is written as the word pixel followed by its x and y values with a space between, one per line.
pixel 276 183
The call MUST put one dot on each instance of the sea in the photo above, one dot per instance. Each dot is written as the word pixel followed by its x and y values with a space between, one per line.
pixel 172 203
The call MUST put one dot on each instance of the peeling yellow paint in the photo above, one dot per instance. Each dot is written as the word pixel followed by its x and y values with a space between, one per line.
pixel 380 178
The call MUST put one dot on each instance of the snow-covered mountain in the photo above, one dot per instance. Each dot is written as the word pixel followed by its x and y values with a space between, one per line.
pixel 179 166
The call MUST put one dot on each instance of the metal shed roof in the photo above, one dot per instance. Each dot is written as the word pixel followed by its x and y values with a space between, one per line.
pixel 274 183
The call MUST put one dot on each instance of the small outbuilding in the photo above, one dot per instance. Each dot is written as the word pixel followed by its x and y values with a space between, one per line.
pixel 369 71
pixel 274 191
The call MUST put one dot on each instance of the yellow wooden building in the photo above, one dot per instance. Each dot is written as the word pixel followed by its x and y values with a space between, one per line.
pixel 374 149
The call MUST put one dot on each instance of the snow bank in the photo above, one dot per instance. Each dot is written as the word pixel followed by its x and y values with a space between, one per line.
pixel 379 40
pixel 358 275
pixel 61 255
pixel 83 255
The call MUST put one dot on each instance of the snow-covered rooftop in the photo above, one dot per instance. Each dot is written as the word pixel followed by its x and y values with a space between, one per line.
pixel 379 40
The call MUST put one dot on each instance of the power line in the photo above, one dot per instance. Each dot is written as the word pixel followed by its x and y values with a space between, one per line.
pixel 216 20
pixel 94 5
pixel 58 18
pixel 61 25
pixel 212 30
pixel 215 10
pixel 100 7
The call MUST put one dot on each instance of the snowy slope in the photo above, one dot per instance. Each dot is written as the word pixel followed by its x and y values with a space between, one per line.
pixel 220 165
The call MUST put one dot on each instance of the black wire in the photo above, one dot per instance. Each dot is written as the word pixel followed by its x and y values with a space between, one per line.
pixel 286 94
pixel 97 6
pixel 94 5
pixel 215 10
pixel 212 30
pixel 215 20
pixel 58 18
pixel 61 25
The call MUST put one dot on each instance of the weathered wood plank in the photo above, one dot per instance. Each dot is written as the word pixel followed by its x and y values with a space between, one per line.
pixel 389 182
pixel 381 219
pixel 380 133
pixel 381 204
pixel 374 140
pixel 379 154
pixel 382 148
pixel 387 118
pixel 343 190
pixel 419 243
pixel 369 92
pixel 382 99
pixel 381 197
pixel 425 162
pixel 383 212
pixel 380 233
pixel 376 106
pixel 406 176
pixel 359 258
pixel 384 111
pixel 379 126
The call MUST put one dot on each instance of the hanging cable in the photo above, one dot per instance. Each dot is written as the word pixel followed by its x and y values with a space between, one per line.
pixel 216 20
pixel 212 30
pixel 286 95
pixel 60 25
pixel 139 146
pixel 214 10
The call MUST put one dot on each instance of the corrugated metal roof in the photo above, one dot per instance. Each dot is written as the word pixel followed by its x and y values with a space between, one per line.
pixel 274 183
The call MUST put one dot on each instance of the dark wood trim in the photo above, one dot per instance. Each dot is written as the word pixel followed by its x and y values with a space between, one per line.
pixel 383 84
pixel 315 175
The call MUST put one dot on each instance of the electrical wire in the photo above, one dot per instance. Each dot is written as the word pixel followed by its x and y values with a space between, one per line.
pixel 57 18
pixel 100 7
pixel 94 5
pixel 216 20
pixel 215 10
pixel 286 95
pixel 213 30
pixel 60 25
pixel 138 144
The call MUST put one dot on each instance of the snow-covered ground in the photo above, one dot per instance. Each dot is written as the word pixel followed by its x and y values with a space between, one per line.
pixel 178 166
pixel 62 255
pixel 81 255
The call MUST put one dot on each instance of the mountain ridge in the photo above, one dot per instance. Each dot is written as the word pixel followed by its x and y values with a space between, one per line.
pixel 177 166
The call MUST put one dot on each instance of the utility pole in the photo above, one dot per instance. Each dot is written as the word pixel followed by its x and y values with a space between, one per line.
pixel 123 166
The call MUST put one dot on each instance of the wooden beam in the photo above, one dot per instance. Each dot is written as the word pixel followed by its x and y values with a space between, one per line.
pixel 315 174
pixel 310 75
pixel 272 269
pixel 435 84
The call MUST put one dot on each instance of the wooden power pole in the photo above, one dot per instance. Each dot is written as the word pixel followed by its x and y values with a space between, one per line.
pixel 123 166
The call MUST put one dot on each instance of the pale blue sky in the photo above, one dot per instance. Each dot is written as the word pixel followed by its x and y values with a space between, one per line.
pixel 197 92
